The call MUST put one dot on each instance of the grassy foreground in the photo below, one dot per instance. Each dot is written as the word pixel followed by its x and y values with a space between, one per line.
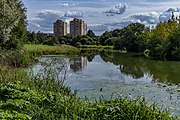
pixel 25 98
pixel 46 49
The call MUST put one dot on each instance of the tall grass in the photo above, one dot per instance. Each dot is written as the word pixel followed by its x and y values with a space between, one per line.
pixel 37 50
pixel 96 47
pixel 16 58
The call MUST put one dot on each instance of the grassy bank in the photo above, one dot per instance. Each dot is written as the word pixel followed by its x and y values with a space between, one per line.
pixel 26 56
pixel 37 50
pixel 25 98
pixel 99 48
pixel 96 47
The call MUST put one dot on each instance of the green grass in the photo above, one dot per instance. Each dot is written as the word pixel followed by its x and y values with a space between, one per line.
pixel 100 48
pixel 19 102
pixel 16 58
pixel 44 98
pixel 96 47
pixel 37 50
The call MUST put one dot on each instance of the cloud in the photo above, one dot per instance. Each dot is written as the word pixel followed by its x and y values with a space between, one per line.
pixel 48 14
pixel 146 18
pixel 44 19
pixel 68 4
pixel 74 14
pixel 173 10
pixel 100 27
pixel 118 9
pixel 155 17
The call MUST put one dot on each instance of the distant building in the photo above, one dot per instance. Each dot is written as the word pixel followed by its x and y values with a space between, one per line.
pixel 60 28
pixel 78 27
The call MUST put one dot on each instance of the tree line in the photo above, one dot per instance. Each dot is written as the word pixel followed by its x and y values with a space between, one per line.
pixel 161 42
pixel 41 38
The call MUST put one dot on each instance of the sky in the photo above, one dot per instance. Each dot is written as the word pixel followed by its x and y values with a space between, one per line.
pixel 100 15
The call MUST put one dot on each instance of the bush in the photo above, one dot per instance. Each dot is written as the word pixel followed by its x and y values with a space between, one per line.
pixel 16 58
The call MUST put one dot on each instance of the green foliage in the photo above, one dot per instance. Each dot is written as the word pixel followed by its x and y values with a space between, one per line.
pixel 163 41
pixel 37 50
pixel 95 47
pixel 32 37
pixel 29 104
pixel 12 23
pixel 104 37
pixel 128 38
pixel 41 38
pixel 43 97
pixel 91 34
pixel 16 58
pixel 51 41
pixel 110 41
pixel 82 40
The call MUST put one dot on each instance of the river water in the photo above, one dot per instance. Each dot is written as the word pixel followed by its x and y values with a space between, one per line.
pixel 109 75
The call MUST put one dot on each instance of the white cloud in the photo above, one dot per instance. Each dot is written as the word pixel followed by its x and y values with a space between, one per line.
pixel 146 18
pixel 173 10
pixel 156 17
pixel 100 27
pixel 68 4
pixel 118 9
pixel 74 14
pixel 49 14
pixel 44 19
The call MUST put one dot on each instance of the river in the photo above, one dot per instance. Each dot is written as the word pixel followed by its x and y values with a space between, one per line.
pixel 108 75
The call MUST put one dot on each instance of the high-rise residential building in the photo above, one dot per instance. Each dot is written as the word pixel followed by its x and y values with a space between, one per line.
pixel 60 28
pixel 78 27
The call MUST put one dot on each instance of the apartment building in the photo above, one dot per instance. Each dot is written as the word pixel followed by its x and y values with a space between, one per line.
pixel 60 28
pixel 78 27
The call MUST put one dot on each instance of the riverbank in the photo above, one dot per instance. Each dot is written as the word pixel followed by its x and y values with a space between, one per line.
pixel 23 96
pixel 38 50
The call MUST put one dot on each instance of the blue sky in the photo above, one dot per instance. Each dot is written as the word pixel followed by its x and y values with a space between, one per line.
pixel 100 15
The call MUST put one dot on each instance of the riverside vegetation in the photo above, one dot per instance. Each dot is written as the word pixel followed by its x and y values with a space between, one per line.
pixel 44 96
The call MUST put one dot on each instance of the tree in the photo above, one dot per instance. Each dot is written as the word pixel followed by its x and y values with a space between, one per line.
pixel 32 37
pixel 51 41
pixel 104 37
pixel 158 42
pixel 12 23
pixel 41 37
pixel 110 41
pixel 91 34
pixel 128 38
pixel 174 46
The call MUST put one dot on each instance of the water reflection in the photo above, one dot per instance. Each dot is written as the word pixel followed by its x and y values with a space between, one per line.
pixel 128 75
pixel 137 67
pixel 78 63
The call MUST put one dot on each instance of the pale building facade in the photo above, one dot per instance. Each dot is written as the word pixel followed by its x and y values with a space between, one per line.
pixel 60 28
pixel 78 27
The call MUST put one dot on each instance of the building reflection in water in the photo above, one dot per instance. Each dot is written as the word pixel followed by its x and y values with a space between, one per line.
pixel 78 64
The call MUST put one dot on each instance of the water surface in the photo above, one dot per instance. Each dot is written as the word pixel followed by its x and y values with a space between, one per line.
pixel 108 75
